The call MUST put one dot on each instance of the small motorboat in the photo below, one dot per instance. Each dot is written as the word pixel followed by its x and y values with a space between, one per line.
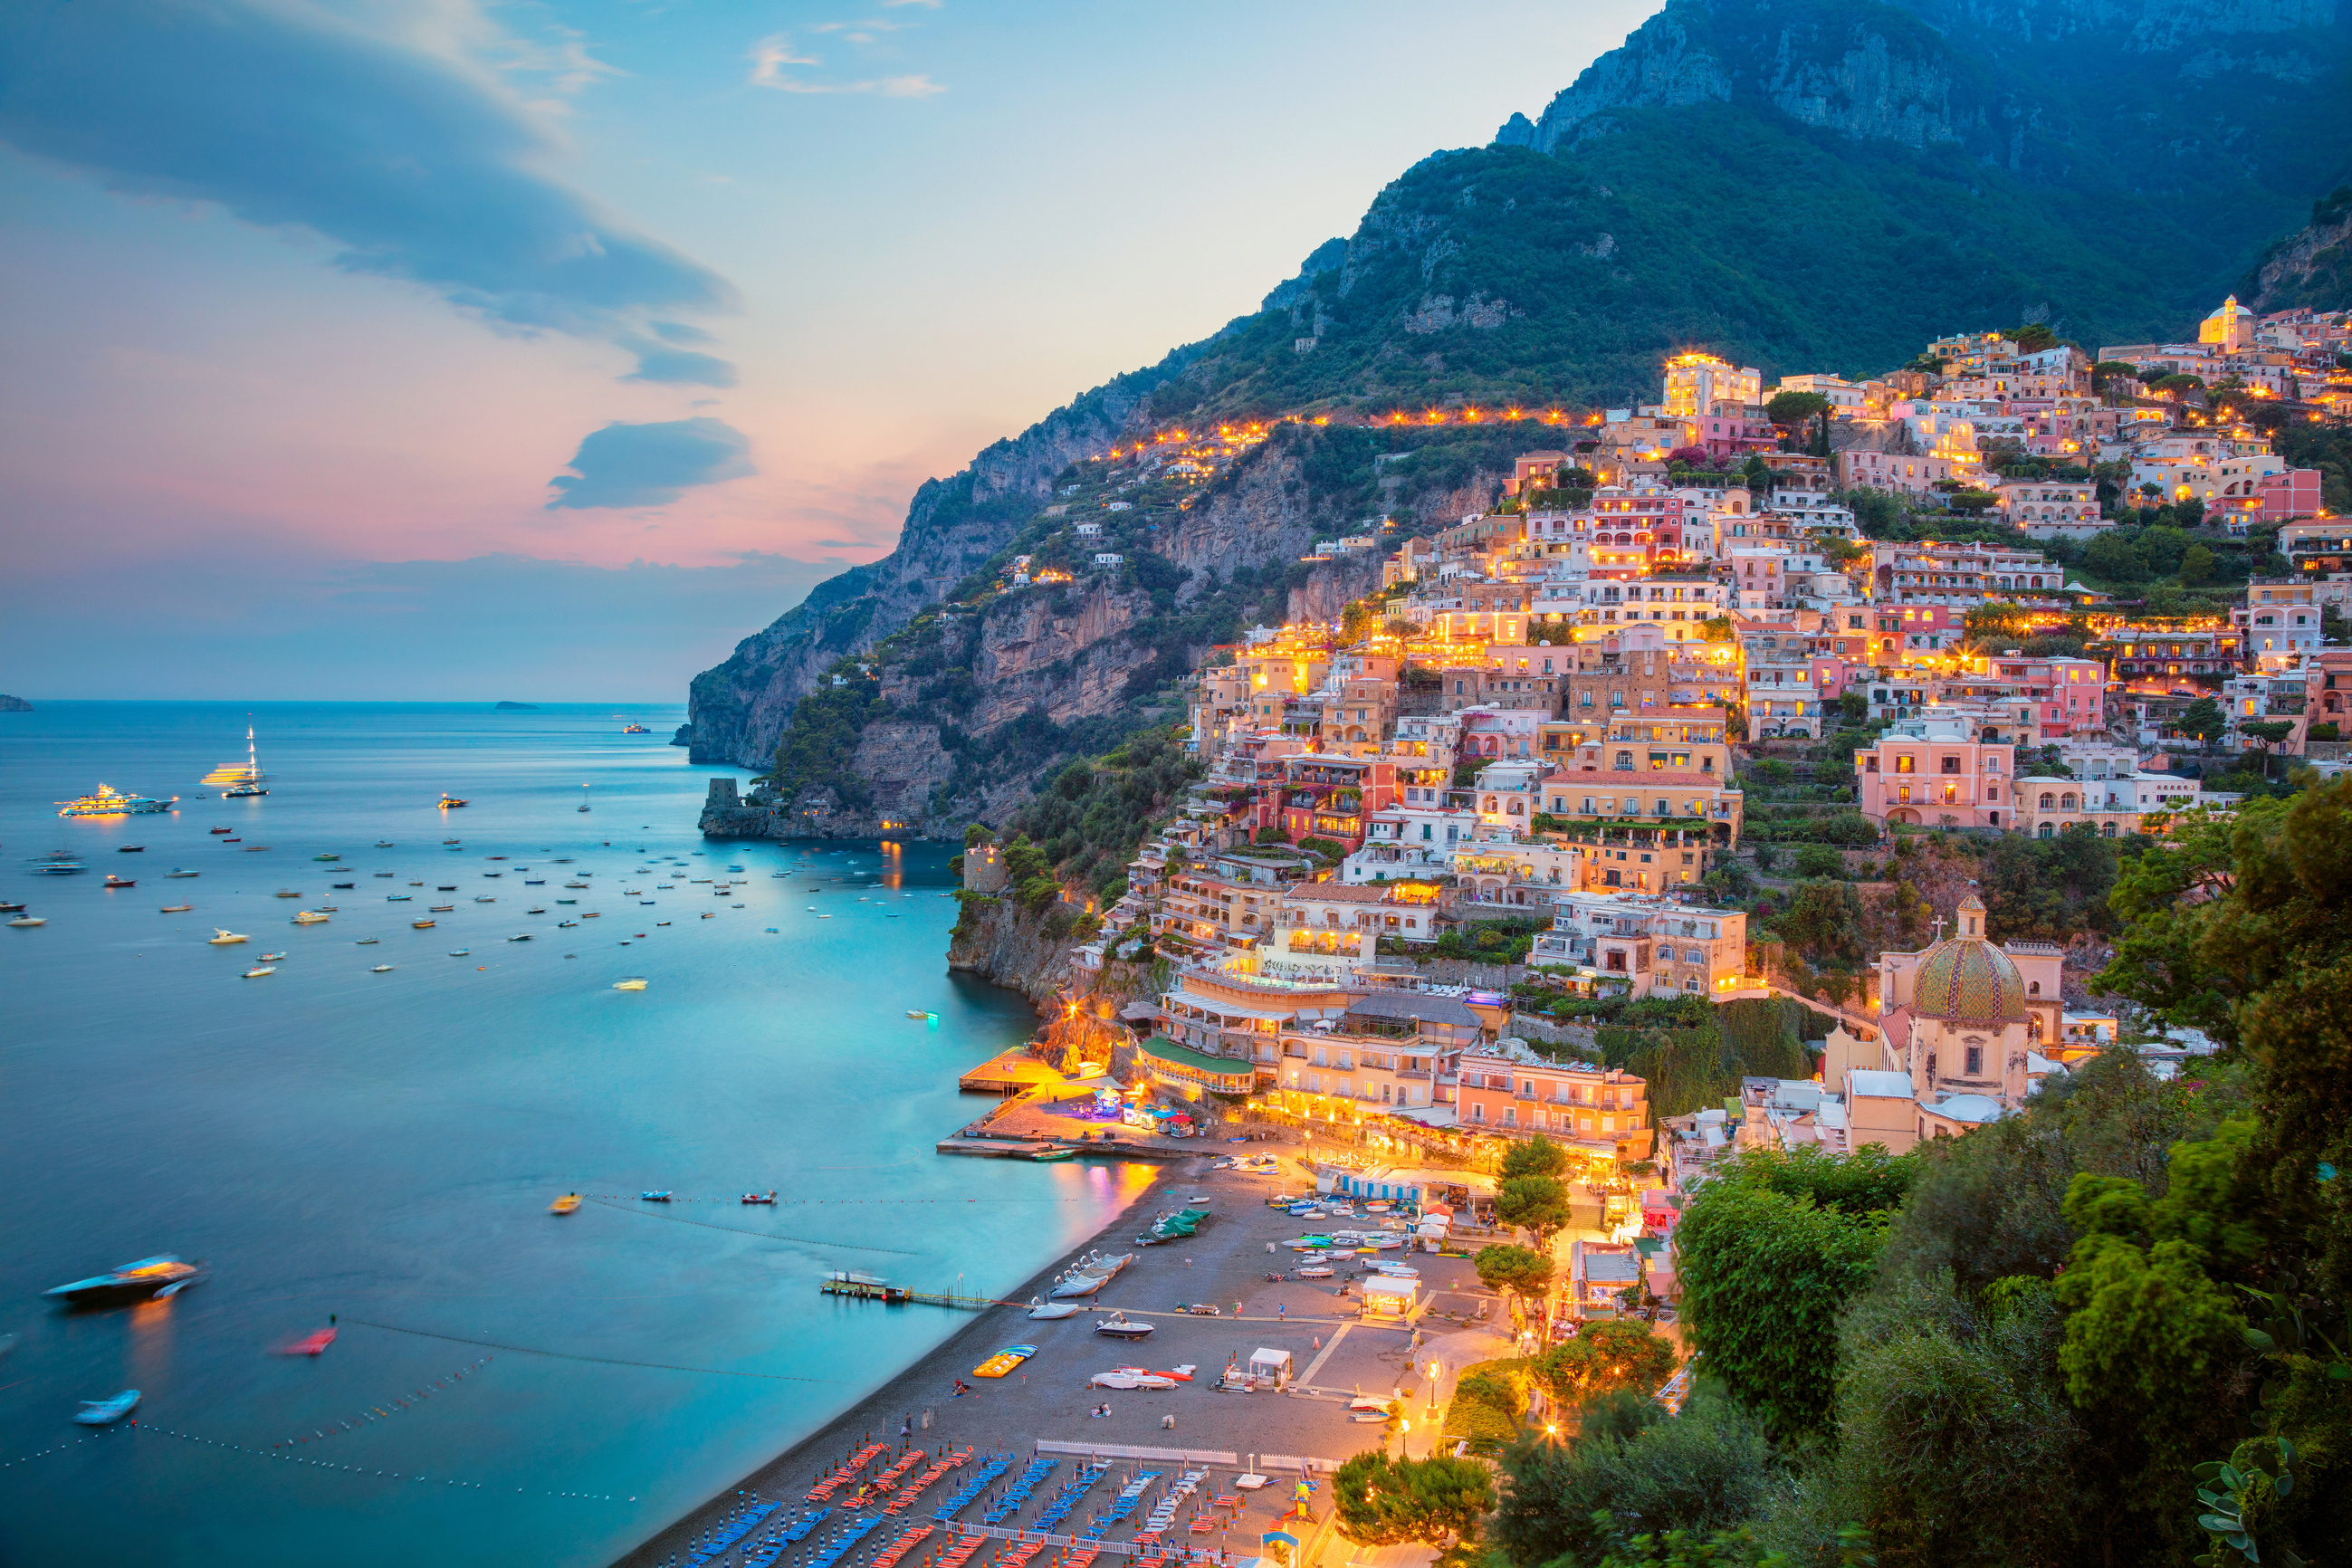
pixel 221 937
pixel 1118 1327
pixel 1051 1156
pixel 9 909
pixel 174 909
pixel 181 871
pixel 1199 1309
pixel 289 892
pixel 131 850
pixel 767 1197
pixel 106 1412
pixel 367 941
pixel 1129 1378
pixel 461 953
pixel 326 856
pixel 628 985
pixel 399 897
pixel 449 842
pixel 343 885
pixel 163 1274
pixel 1045 1311
pixel 564 1205
pixel 383 843
pixel 660 1197
pixel 381 969
pixel 114 881
pixel 258 970
pixel 421 925
pixel 27 922
pixel 271 957
pixel 917 1013
pixel 441 908
pixel 1316 1271
pixel 449 801
pixel 520 936
pixel 484 899
pixel 310 917
pixel 1004 1361
pixel 310 1344
pixel 222 830
pixel 565 925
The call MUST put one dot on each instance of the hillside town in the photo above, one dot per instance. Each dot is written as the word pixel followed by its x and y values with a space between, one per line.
pixel 1552 719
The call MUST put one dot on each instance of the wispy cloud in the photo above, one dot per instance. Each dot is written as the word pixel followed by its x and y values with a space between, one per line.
pixel 414 160
pixel 773 62
pixel 651 465
pixel 564 58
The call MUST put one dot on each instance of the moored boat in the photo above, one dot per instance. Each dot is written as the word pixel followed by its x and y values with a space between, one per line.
pixel 309 917
pixel 449 800
pixel 767 1197
pixel 58 863
pixel 628 984
pixel 106 1412
pixel 310 1344
pixel 111 802
pixel 114 881
pixel 222 937
pixel 163 1275
pixel 564 1205
pixel 27 922
pixel 240 779
pixel 175 908
pixel 258 970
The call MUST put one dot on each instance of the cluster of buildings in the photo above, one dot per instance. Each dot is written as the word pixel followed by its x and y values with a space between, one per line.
pixel 1542 724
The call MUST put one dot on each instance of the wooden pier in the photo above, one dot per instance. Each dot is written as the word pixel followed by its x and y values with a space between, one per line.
pixel 899 1296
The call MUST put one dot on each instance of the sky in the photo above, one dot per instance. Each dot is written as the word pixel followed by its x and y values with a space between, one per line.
pixel 447 350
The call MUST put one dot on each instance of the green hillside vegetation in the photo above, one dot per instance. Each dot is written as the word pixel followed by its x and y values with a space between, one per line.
pixel 2120 1315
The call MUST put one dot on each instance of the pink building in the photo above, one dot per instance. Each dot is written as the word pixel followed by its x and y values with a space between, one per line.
pixel 1928 771
pixel 1905 474
pixel 2068 696
pixel 2295 493
pixel 1903 629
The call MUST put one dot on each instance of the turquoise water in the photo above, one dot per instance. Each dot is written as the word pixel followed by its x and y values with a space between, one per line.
pixel 383 1147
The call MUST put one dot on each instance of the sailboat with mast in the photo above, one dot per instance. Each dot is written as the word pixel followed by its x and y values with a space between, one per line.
pixel 244 778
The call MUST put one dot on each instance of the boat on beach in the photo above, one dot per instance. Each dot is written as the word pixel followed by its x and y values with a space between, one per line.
pixel 1118 1327
pixel 1089 1274
pixel 1044 1311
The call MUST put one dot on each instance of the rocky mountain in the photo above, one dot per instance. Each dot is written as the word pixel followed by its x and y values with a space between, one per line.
pixel 1803 184
pixel 2312 268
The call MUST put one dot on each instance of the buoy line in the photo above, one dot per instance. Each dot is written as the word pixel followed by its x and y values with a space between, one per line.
pixel 625 1200
pixel 42 1453
pixel 600 1360
pixel 360 1470
pixel 738 1230
pixel 389 1408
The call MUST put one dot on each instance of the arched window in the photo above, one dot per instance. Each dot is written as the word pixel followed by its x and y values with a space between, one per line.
pixel 2066 801
pixel 2033 988
pixel 2047 831
pixel 2048 800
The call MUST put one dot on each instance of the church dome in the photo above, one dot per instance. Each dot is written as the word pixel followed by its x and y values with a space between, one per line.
pixel 1968 982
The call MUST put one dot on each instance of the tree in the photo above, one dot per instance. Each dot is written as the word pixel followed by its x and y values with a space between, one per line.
pixel 2269 732
pixel 1707 1469
pixel 1523 1271
pixel 2114 558
pixel 1604 1356
pixel 2197 565
pixel 1537 1205
pixel 2204 720
pixel 1818 861
pixel 1537 1156
pixel 1765 1276
pixel 1382 1502
pixel 1794 410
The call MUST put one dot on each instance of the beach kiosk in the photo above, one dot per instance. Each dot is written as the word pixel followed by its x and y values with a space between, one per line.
pixel 1386 1296
pixel 1272 1366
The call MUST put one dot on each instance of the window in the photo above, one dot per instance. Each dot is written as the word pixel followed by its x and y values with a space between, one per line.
pixel 1903 765
pixel 1974 1060
pixel 1951 765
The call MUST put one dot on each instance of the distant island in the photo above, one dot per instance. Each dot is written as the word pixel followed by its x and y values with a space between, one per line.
pixel 14 704
pixel 517 707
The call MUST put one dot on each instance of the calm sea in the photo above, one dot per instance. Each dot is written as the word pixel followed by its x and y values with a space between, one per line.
pixel 383 1147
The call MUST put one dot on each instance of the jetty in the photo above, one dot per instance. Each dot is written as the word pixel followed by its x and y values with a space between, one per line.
pixel 868 1289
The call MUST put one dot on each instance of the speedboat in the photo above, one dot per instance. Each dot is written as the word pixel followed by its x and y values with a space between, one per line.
pixel 161 1276
pixel 1118 1327
pixel 767 1197
pixel 224 830
pixel 289 892
pixel 309 917
pixel 175 908
pixel 271 957
pixel 461 953
pixel 1130 1378
pixel 367 941
pixel 398 897
pixel 381 969
pixel 58 863
pixel 449 800
pixel 383 843
pixel 9 909
pixel 628 985
pixel 179 871
pixel 564 1205
pixel 1051 1311
pixel 106 1412
pixel 221 937
pixel 521 936
pixel 421 925
pixel 660 1197
pixel 258 970
pixel 114 881
pixel 323 855
pixel 25 922
pixel 310 1344
pixel 917 1013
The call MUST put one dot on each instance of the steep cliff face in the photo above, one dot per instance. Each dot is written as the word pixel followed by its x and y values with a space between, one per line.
pixel 735 712
pixel 1007 946
pixel 2311 268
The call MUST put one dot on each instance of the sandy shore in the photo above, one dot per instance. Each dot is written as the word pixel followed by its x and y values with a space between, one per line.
pixel 1049 1399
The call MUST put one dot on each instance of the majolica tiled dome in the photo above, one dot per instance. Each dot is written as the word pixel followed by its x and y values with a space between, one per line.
pixel 1968 982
